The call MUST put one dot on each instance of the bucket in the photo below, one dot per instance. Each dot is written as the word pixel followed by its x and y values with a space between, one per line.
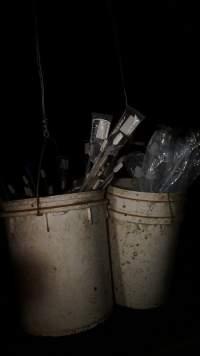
pixel 143 229
pixel 61 260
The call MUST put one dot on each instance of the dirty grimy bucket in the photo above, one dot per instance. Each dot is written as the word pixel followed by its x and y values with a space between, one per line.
pixel 143 237
pixel 61 260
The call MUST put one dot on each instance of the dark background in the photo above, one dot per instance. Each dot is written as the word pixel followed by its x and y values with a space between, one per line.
pixel 159 49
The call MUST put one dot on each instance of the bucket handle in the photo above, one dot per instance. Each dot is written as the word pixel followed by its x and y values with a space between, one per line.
pixel 38 177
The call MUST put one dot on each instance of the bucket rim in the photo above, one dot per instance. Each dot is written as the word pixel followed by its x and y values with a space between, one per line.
pixel 52 202
pixel 129 194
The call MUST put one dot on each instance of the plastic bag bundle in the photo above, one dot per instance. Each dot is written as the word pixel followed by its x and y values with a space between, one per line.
pixel 157 160
pixel 185 166
pixel 170 164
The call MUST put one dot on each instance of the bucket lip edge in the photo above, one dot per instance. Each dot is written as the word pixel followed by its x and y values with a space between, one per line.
pixel 48 209
pixel 150 196
pixel 58 200
pixel 49 198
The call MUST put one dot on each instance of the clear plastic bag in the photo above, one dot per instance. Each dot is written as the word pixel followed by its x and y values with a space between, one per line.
pixel 185 166
pixel 157 160
pixel 171 163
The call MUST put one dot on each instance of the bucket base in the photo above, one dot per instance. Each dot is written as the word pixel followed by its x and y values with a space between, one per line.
pixel 67 332
pixel 142 307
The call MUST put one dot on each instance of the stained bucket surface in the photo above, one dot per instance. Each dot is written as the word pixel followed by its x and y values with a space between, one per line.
pixel 143 230
pixel 61 260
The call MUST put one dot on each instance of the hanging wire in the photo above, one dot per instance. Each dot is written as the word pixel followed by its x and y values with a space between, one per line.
pixel 45 123
pixel 46 134
pixel 117 48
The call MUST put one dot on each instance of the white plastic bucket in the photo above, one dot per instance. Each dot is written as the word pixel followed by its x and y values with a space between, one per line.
pixel 143 237
pixel 61 260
